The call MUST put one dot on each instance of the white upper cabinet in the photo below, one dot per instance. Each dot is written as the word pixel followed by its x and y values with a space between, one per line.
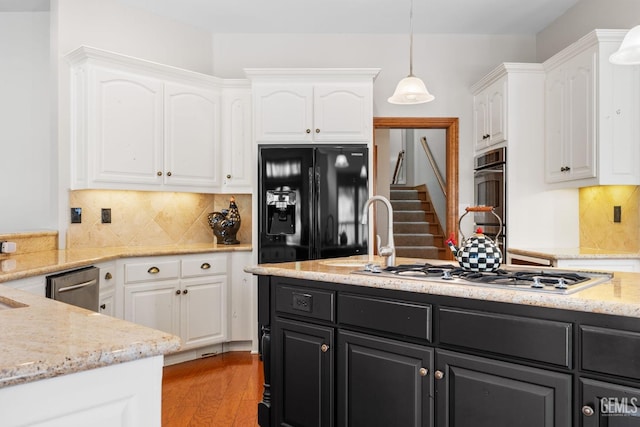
pixel 592 115
pixel 310 105
pixel 236 154
pixel 137 125
pixel 490 115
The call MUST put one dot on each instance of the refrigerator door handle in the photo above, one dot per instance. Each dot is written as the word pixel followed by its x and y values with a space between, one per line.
pixel 312 215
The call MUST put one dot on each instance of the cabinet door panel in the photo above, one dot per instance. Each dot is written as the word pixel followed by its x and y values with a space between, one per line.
pixel 303 388
pixel 192 134
pixel 284 113
pixel 237 159
pixel 477 392
pixel 125 127
pixel 555 155
pixel 480 116
pixel 156 305
pixel 204 311
pixel 497 120
pixel 341 113
pixel 612 405
pixel 381 383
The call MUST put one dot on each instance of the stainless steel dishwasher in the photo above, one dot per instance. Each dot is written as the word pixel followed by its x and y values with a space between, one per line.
pixel 78 287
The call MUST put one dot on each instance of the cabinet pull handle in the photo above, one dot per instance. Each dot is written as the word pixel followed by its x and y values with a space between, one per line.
pixel 153 270
pixel 228 176
pixel 103 306
pixel 205 266
pixel 324 348
pixel 159 173
pixel 423 372
pixel 178 292
pixel 169 173
pixel 438 375
pixel 308 130
pixel 108 276
pixel 317 130
pixel 186 291
pixel 587 411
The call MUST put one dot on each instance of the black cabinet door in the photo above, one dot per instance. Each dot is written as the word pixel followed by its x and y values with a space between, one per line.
pixel 383 382
pixel 609 405
pixel 478 392
pixel 302 385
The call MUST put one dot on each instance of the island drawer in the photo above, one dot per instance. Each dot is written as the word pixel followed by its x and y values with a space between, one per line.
pixel 610 351
pixel 306 302
pixel 539 340
pixel 396 317
pixel 151 271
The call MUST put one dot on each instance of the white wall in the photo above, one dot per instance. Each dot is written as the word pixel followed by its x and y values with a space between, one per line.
pixel 109 25
pixel 449 65
pixel 27 194
pixel 585 16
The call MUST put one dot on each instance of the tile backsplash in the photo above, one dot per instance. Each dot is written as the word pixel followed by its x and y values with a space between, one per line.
pixel 597 229
pixel 145 218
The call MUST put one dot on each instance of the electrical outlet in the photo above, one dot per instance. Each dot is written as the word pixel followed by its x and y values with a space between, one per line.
pixel 617 214
pixel 106 216
pixel 76 215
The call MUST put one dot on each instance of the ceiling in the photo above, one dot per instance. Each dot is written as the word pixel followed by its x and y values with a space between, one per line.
pixel 347 16
pixel 361 16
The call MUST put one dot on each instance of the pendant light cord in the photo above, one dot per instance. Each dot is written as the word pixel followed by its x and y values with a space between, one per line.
pixel 411 40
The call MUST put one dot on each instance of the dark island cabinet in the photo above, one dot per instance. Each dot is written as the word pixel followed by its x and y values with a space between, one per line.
pixel 383 382
pixel 478 392
pixel 350 356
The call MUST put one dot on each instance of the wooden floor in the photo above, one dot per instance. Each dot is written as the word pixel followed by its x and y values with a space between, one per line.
pixel 220 391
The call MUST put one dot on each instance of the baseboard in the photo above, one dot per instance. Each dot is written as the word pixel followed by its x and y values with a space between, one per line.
pixel 211 350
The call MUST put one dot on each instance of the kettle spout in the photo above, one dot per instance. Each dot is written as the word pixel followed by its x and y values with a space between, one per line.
pixel 451 242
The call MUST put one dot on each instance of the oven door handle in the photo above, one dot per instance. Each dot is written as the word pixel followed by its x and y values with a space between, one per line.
pixel 79 285
pixel 480 172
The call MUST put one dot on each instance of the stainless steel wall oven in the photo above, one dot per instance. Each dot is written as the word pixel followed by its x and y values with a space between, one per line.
pixel 490 189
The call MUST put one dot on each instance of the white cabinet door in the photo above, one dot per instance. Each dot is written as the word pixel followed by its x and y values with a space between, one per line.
pixel 154 304
pixel 236 154
pixel 203 316
pixel 490 115
pixel 107 303
pixel 341 113
pixel 191 136
pixel 555 146
pixel 284 112
pixel 243 321
pixel 480 117
pixel 124 120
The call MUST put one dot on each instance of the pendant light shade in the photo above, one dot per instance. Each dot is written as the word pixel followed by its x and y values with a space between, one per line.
pixel 629 51
pixel 411 90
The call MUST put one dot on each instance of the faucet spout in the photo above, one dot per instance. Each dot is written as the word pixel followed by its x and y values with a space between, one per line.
pixel 389 251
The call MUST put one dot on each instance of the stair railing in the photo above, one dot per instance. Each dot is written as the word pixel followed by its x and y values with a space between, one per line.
pixel 396 171
pixel 434 165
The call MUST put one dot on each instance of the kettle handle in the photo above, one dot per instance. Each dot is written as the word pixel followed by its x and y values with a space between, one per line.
pixel 479 209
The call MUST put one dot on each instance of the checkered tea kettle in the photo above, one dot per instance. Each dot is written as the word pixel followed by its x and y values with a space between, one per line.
pixel 478 252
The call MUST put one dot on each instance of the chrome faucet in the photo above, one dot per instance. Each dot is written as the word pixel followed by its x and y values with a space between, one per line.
pixel 389 251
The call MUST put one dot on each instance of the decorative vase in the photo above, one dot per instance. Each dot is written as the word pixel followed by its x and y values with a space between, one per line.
pixel 225 224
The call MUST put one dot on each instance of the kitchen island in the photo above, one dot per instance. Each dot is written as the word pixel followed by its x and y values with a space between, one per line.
pixel 351 349
pixel 63 365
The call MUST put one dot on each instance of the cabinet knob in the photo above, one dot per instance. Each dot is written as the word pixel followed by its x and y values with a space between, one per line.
pixel 317 130
pixel 229 176
pixel 565 169
pixel 324 348
pixel 159 173
pixel 169 173
pixel 153 270
pixel 178 292
pixel 587 411
pixel 108 276
pixel 186 291
pixel 423 372
pixel 438 375
pixel 103 306
pixel 205 266
pixel 308 130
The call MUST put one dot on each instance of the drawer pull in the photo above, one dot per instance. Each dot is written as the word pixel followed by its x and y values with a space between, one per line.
pixel 587 411
pixel 108 276
pixel 423 372
pixel 205 266
pixel 324 348
pixel 186 291
pixel 103 306
pixel 153 270
pixel 439 375
pixel 178 292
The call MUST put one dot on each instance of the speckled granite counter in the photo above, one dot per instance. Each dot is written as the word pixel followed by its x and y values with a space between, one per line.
pixel 619 296
pixel 32 264
pixel 42 338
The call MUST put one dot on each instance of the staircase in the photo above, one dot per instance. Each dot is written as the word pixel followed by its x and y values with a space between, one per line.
pixel 417 231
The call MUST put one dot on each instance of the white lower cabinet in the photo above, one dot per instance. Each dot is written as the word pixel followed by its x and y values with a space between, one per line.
pixel 185 296
pixel 107 284
pixel 36 285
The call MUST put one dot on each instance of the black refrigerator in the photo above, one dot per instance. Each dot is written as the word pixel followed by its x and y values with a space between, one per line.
pixel 310 202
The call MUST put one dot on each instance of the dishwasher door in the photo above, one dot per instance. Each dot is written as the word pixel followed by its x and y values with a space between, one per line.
pixel 78 287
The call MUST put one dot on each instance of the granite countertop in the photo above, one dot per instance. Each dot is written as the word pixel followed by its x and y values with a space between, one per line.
pixel 16 267
pixel 42 338
pixel 618 296
pixel 555 254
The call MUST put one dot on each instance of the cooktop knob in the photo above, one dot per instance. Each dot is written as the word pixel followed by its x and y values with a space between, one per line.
pixel 561 284
pixel 446 275
pixel 537 283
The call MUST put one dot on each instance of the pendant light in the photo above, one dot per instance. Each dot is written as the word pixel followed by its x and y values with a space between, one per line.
pixel 629 51
pixel 411 90
pixel 341 161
